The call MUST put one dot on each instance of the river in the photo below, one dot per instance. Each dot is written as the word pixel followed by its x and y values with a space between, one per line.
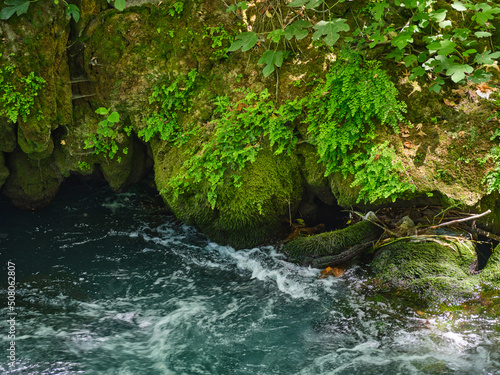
pixel 111 284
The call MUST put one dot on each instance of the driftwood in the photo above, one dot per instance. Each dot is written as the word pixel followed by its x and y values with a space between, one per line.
pixel 335 260
pixel 457 221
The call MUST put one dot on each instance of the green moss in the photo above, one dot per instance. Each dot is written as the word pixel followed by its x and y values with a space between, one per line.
pixel 245 216
pixel 7 136
pixel 434 271
pixel 490 275
pixel 332 243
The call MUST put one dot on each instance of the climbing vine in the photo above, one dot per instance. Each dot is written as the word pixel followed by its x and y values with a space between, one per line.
pixel 433 39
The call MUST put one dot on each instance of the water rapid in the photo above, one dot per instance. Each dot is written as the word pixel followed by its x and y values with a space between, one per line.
pixel 107 284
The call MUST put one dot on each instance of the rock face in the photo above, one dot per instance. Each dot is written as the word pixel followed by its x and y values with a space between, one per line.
pixel 116 60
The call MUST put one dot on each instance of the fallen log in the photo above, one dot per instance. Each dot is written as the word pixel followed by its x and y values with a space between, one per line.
pixel 335 260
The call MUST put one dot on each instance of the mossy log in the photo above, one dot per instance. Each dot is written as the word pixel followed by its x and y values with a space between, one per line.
pixel 309 250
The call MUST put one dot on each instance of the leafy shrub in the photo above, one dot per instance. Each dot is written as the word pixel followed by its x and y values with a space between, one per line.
pixel 169 100
pixel 104 140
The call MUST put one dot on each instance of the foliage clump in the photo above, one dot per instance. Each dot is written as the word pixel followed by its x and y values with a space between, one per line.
pixel 342 114
pixel 17 94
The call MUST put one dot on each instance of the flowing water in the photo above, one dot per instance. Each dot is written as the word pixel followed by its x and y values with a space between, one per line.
pixel 107 284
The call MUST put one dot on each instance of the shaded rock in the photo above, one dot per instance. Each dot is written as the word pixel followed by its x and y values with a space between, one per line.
pixel 4 172
pixel 244 216
pixel 32 183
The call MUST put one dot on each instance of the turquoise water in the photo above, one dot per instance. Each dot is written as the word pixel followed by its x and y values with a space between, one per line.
pixel 110 284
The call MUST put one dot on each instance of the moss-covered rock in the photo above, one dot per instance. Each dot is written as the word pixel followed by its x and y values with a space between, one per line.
pixel 490 275
pixel 7 135
pixel 435 271
pixel 244 216
pixel 32 183
pixel 306 249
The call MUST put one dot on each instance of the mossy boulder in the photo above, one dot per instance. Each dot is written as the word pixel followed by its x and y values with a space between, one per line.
pixel 434 271
pixel 36 43
pixel 243 216
pixel 32 183
pixel 306 249
pixel 490 275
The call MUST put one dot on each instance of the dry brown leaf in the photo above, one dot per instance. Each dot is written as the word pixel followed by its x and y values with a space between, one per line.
pixel 448 102
pixel 407 145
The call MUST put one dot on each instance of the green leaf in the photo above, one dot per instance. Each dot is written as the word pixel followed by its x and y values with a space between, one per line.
pixel 330 29
pixel 245 41
pixel 114 117
pixel 402 40
pixel 310 4
pixel 120 4
pixel 231 8
pixel 102 111
pixel 438 15
pixel 297 29
pixel 409 60
pixel 436 86
pixel 271 59
pixel 417 71
pixel 480 76
pixel 457 5
pixel 444 47
pixel 16 6
pixel 487 57
pixel 378 10
pixel 482 34
pixel 276 35
pixel 461 34
pixel 73 11
pixel 445 24
pixel 457 71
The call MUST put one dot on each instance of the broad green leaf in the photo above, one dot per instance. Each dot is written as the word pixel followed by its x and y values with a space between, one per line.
pixel 468 52
pixel 461 34
pixel 114 117
pixel 438 15
pixel 120 4
pixel 73 11
pixel 444 47
pixel 402 40
pixel 417 71
pixel 445 24
pixel 16 6
pixel 231 8
pixel 457 5
pixel 297 29
pixel 102 111
pixel 480 76
pixel 330 29
pixel 310 4
pixel 487 57
pixel 436 86
pixel 457 71
pixel 271 59
pixel 298 3
pixel 245 41
pixel 482 34
pixel 379 9
pixel 276 35
pixel 409 60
